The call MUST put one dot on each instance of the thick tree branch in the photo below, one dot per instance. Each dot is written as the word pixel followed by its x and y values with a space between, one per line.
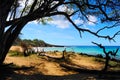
pixel 33 15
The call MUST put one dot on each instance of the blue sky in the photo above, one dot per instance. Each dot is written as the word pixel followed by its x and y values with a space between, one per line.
pixel 60 32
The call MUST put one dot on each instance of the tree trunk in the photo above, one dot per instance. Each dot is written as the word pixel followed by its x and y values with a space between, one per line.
pixel 106 62
pixel 4 11
pixel 3 52
pixel 9 37
pixel 63 55
pixel 25 52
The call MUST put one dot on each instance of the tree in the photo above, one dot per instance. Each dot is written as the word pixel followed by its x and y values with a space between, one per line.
pixel 64 53
pixel 14 16
pixel 17 40
pixel 107 55
pixel 25 48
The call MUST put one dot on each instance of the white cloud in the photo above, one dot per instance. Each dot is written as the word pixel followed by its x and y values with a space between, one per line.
pixel 60 22
pixel 77 21
pixel 65 8
pixel 88 23
pixel 92 19
pixel 62 8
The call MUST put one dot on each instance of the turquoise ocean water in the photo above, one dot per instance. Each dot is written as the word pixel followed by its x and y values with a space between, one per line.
pixel 92 50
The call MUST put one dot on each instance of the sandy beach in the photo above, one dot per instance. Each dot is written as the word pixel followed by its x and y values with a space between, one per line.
pixel 49 68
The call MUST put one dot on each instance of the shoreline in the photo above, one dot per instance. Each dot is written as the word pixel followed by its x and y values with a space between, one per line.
pixel 80 49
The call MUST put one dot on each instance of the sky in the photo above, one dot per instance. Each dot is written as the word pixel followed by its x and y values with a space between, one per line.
pixel 60 32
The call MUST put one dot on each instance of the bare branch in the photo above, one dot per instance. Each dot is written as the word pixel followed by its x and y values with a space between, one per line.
pixel 49 13
pixel 26 2
pixel 33 6
pixel 115 25
pixel 74 12
pixel 100 45
pixel 86 30
pixel 80 34
pixel 113 53
pixel 15 9
pixel 117 33
pixel 107 54
pixel 103 7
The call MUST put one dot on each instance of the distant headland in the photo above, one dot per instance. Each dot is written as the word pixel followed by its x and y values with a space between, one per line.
pixel 35 43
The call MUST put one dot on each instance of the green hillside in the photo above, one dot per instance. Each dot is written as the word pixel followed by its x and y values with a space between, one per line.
pixel 34 43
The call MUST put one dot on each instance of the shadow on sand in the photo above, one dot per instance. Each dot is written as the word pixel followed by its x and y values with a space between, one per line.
pixel 7 72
